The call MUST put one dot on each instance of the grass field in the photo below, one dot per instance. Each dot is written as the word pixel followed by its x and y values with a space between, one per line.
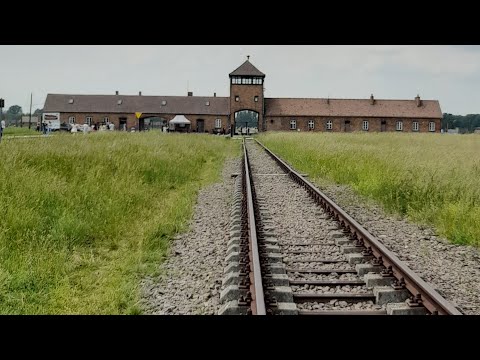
pixel 431 178
pixel 20 131
pixel 83 218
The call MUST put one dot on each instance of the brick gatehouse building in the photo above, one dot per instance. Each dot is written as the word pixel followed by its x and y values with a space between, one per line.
pixel 246 106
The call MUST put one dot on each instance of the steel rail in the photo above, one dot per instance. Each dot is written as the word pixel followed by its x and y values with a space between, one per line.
pixel 423 293
pixel 256 285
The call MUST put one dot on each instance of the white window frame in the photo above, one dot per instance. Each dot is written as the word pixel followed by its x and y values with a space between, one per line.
pixel 311 124
pixel 255 98
pixel 329 125
pixel 365 125
pixel 218 123
pixel 88 120
pixel 106 119
pixel 431 126
pixel 415 126
pixel 399 126
pixel 293 124
pixel 71 120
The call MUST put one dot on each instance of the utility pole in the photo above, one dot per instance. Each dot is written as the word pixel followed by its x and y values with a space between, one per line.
pixel 2 104
pixel 30 116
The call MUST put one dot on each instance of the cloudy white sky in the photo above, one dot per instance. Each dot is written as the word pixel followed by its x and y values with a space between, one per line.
pixel 450 74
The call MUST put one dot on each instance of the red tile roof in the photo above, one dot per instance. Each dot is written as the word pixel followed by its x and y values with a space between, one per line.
pixel 247 69
pixel 134 103
pixel 220 106
pixel 352 107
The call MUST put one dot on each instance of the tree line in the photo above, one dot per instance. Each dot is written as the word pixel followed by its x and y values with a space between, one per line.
pixel 468 123
pixel 14 114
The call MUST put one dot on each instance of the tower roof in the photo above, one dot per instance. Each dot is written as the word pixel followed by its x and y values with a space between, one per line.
pixel 247 69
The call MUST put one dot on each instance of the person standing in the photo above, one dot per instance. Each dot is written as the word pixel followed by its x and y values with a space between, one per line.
pixel 2 128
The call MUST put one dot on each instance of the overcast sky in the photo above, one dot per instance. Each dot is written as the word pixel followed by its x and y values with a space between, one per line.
pixel 450 74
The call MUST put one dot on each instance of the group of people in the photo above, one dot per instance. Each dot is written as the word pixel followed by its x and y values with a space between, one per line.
pixel 85 128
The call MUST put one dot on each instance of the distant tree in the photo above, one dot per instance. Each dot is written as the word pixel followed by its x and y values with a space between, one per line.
pixel 37 112
pixel 14 113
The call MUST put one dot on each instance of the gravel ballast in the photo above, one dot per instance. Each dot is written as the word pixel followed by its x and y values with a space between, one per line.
pixel 192 275
pixel 453 270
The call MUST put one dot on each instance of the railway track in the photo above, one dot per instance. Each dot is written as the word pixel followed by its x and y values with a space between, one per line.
pixel 292 250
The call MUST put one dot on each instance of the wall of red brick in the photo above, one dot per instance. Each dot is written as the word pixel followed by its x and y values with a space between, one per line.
pixel 278 123
pixel 132 121
pixel 273 123
pixel 247 95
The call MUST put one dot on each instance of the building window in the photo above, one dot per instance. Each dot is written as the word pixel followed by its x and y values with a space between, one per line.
pixel 311 124
pixel 237 98
pixel 255 98
pixel 119 102
pixel 399 126
pixel 293 124
pixel 365 126
pixel 71 120
pixel 431 126
pixel 415 126
pixel 207 103
pixel 329 125
pixel 88 120
pixel 218 123
pixel 164 102
pixel 106 120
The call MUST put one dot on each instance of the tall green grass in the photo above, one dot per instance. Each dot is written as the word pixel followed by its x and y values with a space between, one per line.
pixel 431 178
pixel 84 217
pixel 20 131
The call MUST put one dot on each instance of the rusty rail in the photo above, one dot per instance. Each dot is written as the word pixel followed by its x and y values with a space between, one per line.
pixel 256 287
pixel 422 293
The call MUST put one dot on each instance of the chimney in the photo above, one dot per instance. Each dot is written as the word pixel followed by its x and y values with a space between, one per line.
pixel 139 93
pixel 418 101
pixel 116 92
pixel 214 94
pixel 190 93
pixel 372 100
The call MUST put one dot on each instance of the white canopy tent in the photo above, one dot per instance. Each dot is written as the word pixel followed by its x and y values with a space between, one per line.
pixel 179 119
pixel 179 122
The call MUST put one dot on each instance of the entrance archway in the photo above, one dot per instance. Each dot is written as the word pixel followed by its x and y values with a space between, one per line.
pixel 246 122
pixel 151 123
